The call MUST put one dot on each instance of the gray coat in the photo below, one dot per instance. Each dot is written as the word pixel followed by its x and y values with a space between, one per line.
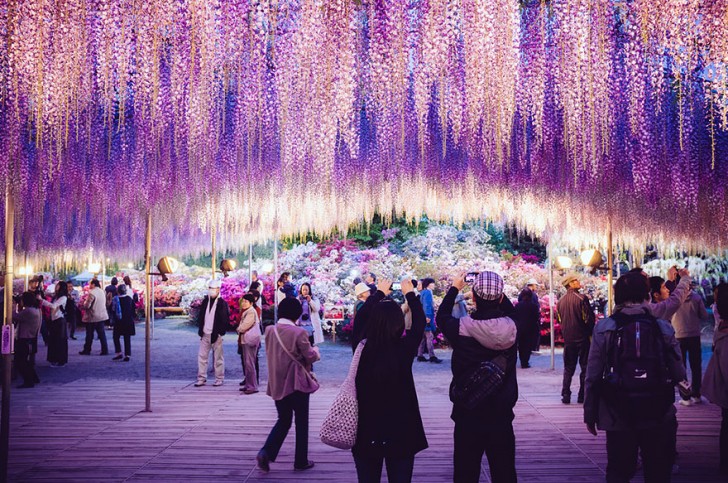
pixel 688 317
pixel 715 381
pixel 595 408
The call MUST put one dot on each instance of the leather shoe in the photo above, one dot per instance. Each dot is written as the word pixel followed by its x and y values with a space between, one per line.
pixel 263 461
pixel 307 466
pixel 25 386
pixel 421 359
pixel 566 399
pixel 84 353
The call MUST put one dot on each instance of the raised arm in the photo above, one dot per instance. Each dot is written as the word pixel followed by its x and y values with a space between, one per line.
pixel 414 335
pixel 362 315
pixel 445 321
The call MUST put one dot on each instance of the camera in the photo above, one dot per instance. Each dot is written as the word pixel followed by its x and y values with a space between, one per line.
pixel 470 277
pixel 305 317
pixel 396 286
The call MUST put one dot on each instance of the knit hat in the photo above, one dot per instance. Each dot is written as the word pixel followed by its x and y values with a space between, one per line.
pixel 532 281
pixel 488 286
pixel 569 278
pixel 361 288
pixel 214 284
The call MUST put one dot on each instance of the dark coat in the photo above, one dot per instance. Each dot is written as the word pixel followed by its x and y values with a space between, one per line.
pixel 125 326
pixel 468 353
pixel 527 316
pixel 222 319
pixel 576 317
pixel 359 331
pixel 389 413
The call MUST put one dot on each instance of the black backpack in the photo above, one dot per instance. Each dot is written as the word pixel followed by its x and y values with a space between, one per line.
pixel 637 383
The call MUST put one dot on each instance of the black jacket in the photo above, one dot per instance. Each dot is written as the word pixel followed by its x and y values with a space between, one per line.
pixel 222 319
pixel 359 331
pixel 527 316
pixel 576 317
pixel 389 413
pixel 468 353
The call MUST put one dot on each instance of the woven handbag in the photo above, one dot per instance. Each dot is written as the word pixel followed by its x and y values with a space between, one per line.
pixel 340 424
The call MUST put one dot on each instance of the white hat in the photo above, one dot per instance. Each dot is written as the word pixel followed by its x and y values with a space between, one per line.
pixel 532 281
pixel 361 288
pixel 214 284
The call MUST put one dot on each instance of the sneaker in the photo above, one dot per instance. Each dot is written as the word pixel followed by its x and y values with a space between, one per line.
pixel 126 359
pixel 104 353
pixel 580 400
pixel 249 391
pixel 566 399
pixel 307 466
pixel 242 383
pixel 74 338
pixel 200 383
pixel 535 353
pixel 217 383
pixel 696 399
pixel 117 358
pixel 686 402
pixel 435 360
pixel 263 461
pixel 525 366
pixel 84 353
pixel 421 358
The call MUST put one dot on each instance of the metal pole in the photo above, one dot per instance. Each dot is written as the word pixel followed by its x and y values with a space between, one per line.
pixel 551 307
pixel 7 321
pixel 153 311
pixel 250 266
pixel 275 279
pixel 26 271
pixel 610 264
pixel 148 316
pixel 214 267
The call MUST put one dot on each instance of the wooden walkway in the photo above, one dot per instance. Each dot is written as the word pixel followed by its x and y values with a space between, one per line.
pixel 93 430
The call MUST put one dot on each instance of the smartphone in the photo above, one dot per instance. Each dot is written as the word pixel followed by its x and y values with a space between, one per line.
pixel 470 277
pixel 396 286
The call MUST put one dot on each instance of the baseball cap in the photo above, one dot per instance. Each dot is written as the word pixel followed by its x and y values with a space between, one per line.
pixel 214 284
pixel 532 281
pixel 488 286
pixel 568 279
pixel 360 288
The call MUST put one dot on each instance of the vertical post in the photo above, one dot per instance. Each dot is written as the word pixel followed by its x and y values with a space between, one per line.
pixel 214 267
pixel 610 265
pixel 7 321
pixel 151 301
pixel 250 264
pixel 148 316
pixel 275 279
pixel 103 272
pixel 551 306
pixel 26 271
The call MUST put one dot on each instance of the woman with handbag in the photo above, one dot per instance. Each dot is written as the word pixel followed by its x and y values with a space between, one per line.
pixel 290 383
pixel 389 429
pixel 249 342
pixel 57 328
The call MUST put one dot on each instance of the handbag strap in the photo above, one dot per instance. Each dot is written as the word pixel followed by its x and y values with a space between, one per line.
pixel 275 329
pixel 354 366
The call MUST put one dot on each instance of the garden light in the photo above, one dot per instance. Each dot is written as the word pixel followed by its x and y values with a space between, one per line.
pixel 591 258
pixel 227 265
pixel 25 270
pixel 165 266
pixel 94 267
pixel 564 262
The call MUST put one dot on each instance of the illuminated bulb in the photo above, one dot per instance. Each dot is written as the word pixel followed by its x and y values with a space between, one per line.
pixel 564 262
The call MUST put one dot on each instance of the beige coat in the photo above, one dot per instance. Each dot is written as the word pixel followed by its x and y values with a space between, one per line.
pixel 285 375
pixel 249 327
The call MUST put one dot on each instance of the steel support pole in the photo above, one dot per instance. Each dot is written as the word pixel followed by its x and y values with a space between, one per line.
pixel 610 265
pixel 275 279
pixel 25 268
pixel 149 295
pixel 7 320
pixel 250 265
pixel 214 265
pixel 551 306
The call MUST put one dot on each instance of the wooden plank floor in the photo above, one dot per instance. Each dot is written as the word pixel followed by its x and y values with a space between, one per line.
pixel 93 430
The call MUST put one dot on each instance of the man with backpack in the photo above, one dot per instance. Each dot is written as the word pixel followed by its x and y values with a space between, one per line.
pixel 484 389
pixel 634 365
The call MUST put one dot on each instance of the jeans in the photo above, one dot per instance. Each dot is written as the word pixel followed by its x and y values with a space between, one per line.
pixel 369 469
pixel 655 447
pixel 295 402
pixel 724 441
pixel 204 355
pixel 690 348
pixel 24 361
pixel 427 345
pixel 97 327
pixel 496 440
pixel 127 343
pixel 574 353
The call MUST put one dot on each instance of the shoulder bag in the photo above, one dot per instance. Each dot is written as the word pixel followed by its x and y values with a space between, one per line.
pixel 339 427
pixel 476 386
pixel 309 374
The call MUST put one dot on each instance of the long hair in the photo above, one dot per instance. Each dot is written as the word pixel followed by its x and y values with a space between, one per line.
pixel 310 292
pixel 721 300
pixel 384 330
pixel 62 290
pixel 525 295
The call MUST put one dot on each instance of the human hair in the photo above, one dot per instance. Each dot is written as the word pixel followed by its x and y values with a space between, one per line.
pixel 29 300
pixel 306 284
pixel 414 282
pixel 95 282
pixel 62 291
pixel 255 294
pixel 255 285
pixel 482 304
pixel 127 281
pixel 374 277
pixel 249 297
pixel 655 286
pixel 426 282
pixel 635 270
pixel 384 329
pixel 632 287
pixel 114 281
pixel 721 300
pixel 525 295
pixel 122 289
pixel 290 308
pixel 356 281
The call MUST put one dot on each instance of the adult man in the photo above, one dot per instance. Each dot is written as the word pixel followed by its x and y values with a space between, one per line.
pixel 533 285
pixel 371 282
pixel 486 335
pixel 577 322
pixel 428 305
pixel 95 318
pixel 28 325
pixel 686 322
pixel 212 323
pixel 111 292
pixel 637 411
pixel 74 318
pixel 665 302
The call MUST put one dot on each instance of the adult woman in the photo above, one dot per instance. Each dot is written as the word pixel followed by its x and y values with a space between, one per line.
pixel 389 427
pixel 715 382
pixel 124 326
pixel 290 383
pixel 249 342
pixel 310 319
pixel 526 315
pixel 28 325
pixel 57 329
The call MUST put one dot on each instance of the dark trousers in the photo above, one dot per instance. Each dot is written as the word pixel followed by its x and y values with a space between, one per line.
pixel 257 365
pixel 524 339
pixel 97 327
pixel 574 353
pixel 691 351
pixel 24 361
pixel 498 443
pixel 654 445
pixel 296 402
pixel 72 327
pixel 369 469
pixel 724 441
pixel 57 341
pixel 127 343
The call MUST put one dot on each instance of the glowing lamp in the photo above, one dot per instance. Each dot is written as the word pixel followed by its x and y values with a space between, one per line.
pixel 267 268
pixel 167 265
pixel 592 258
pixel 94 267
pixel 564 262
pixel 25 270
pixel 227 265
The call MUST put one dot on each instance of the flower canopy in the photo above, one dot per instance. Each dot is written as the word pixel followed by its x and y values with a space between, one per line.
pixel 264 117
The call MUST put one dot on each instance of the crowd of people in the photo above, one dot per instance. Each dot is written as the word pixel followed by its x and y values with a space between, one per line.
pixel 630 362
